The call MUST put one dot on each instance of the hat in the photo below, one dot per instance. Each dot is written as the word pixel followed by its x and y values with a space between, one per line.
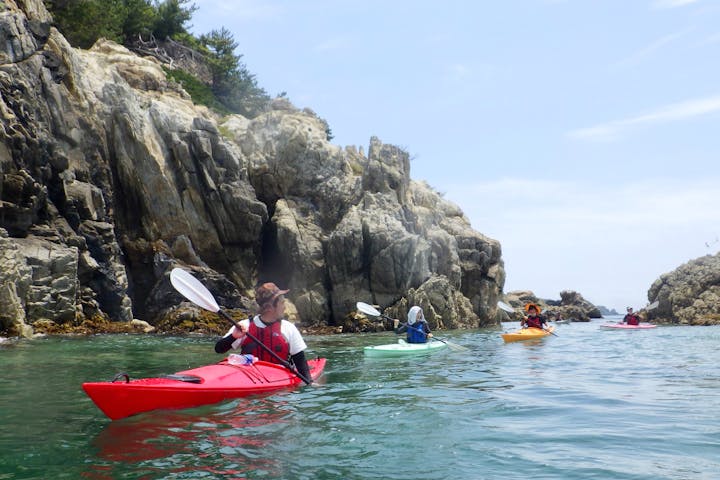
pixel 268 292
pixel 528 306
pixel 415 315
pixel 629 309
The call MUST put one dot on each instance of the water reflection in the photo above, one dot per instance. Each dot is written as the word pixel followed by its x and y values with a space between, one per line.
pixel 225 440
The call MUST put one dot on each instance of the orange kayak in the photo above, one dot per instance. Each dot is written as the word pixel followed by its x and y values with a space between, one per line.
pixel 527 334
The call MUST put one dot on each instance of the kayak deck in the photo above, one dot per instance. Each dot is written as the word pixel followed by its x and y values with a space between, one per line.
pixel 192 388
pixel 403 348
pixel 527 334
pixel 623 326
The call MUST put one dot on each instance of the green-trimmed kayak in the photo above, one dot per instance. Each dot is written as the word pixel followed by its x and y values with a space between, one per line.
pixel 402 348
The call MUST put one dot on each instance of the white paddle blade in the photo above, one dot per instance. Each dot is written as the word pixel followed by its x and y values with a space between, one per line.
pixel 652 305
pixel 191 288
pixel 367 309
pixel 506 307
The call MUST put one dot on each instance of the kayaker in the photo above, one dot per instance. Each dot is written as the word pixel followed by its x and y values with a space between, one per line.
pixel 533 319
pixel 270 328
pixel 416 327
pixel 631 318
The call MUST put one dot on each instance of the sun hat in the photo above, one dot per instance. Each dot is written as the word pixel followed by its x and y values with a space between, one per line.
pixel 267 293
pixel 413 315
pixel 528 306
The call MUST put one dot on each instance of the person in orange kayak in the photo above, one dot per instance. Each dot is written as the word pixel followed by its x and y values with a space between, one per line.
pixel 416 327
pixel 631 318
pixel 271 329
pixel 533 318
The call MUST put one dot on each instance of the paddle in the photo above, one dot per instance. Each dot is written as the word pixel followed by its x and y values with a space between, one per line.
pixel 191 288
pixel 509 309
pixel 370 310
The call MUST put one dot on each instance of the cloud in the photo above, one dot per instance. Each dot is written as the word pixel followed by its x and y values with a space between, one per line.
pixel 664 4
pixel 607 242
pixel 650 49
pixel 671 113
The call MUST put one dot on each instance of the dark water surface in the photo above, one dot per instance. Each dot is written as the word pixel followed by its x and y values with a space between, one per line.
pixel 587 404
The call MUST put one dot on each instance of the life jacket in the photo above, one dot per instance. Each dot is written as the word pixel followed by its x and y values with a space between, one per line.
pixel 534 322
pixel 416 333
pixel 632 319
pixel 272 337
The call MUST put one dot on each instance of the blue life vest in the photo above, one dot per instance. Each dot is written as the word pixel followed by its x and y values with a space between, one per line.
pixel 416 333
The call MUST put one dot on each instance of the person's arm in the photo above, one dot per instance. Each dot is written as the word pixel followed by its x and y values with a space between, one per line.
pixel 426 330
pixel 399 329
pixel 301 365
pixel 226 342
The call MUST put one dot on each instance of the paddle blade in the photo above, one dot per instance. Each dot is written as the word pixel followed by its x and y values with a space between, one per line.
pixel 191 288
pixel 367 309
pixel 506 307
pixel 652 305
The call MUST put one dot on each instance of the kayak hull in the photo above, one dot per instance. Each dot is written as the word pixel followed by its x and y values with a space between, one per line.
pixel 527 334
pixel 623 326
pixel 192 388
pixel 402 349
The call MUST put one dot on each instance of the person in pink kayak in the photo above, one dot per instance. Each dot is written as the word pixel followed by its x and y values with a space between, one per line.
pixel 631 318
pixel 533 318
pixel 269 328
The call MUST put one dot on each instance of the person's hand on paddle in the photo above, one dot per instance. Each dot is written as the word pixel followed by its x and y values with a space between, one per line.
pixel 429 335
pixel 396 322
pixel 239 332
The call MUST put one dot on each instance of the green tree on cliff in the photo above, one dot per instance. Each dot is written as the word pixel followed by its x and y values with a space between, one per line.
pixel 232 83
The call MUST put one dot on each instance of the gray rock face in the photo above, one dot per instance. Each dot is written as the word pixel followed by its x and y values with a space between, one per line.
pixel 689 295
pixel 110 177
pixel 571 305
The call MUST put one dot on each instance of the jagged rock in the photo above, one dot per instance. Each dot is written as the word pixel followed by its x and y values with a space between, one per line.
pixel 105 159
pixel 571 305
pixel 689 295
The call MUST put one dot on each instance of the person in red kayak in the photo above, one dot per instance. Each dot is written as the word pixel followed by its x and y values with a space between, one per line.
pixel 416 327
pixel 533 319
pixel 270 328
pixel 631 318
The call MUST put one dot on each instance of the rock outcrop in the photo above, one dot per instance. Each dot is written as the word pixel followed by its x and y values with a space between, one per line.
pixel 110 176
pixel 689 295
pixel 571 305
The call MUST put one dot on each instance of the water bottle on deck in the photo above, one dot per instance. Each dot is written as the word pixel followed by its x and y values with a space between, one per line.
pixel 241 359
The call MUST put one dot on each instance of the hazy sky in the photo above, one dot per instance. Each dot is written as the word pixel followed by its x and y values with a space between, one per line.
pixel 583 135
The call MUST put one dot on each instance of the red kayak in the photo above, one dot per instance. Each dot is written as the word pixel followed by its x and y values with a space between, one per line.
pixel 192 388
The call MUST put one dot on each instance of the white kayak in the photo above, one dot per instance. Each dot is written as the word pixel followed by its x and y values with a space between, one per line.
pixel 402 348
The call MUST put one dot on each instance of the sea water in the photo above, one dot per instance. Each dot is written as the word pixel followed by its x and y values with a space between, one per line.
pixel 585 404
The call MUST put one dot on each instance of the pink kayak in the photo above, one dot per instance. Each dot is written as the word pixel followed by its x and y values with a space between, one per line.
pixel 624 326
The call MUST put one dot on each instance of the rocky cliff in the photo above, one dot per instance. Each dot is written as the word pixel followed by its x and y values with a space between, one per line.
pixel 110 177
pixel 690 294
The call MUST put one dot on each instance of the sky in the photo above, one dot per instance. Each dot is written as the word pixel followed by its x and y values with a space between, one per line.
pixel 584 135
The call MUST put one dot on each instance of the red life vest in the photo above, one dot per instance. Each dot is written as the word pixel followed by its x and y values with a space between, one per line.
pixel 632 319
pixel 271 337
pixel 533 322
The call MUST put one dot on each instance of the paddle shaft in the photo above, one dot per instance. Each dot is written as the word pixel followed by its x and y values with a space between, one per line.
pixel 252 337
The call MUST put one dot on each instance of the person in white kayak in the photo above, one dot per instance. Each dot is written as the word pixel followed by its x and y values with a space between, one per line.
pixel 416 327
pixel 270 328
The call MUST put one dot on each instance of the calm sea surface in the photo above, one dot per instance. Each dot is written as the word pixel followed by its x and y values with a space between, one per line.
pixel 587 404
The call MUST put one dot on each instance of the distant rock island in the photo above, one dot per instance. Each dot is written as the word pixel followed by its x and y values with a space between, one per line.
pixel 690 294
